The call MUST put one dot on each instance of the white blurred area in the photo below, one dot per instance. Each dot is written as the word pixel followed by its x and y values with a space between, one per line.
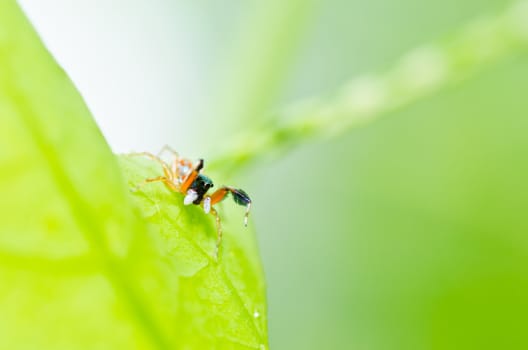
pixel 134 62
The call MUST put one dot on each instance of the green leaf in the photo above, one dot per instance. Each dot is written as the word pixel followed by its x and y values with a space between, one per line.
pixel 217 303
pixel 84 264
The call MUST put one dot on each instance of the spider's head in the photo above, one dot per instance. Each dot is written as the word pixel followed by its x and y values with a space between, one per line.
pixel 201 185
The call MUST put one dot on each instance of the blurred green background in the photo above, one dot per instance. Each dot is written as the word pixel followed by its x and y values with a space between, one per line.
pixel 407 233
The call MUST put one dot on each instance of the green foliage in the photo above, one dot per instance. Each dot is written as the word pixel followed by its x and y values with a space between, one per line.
pixel 83 263
pixel 421 73
pixel 413 239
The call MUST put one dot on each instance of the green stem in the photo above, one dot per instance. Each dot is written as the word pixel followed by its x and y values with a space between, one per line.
pixel 418 75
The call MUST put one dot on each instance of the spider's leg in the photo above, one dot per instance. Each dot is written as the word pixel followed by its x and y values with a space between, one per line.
pixel 219 195
pixel 218 232
pixel 167 148
pixel 239 196
pixel 166 169
pixel 163 179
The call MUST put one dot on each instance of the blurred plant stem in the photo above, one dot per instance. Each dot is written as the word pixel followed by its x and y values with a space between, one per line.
pixel 421 73
pixel 260 59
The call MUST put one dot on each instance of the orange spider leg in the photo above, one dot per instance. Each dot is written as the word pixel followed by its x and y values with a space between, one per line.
pixel 176 159
pixel 239 196
pixel 167 148
pixel 163 179
pixel 219 195
pixel 166 169
pixel 191 177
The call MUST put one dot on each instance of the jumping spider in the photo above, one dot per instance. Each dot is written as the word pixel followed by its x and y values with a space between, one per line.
pixel 182 176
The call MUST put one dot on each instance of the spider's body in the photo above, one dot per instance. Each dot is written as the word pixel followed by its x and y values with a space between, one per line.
pixel 184 177
pixel 201 185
